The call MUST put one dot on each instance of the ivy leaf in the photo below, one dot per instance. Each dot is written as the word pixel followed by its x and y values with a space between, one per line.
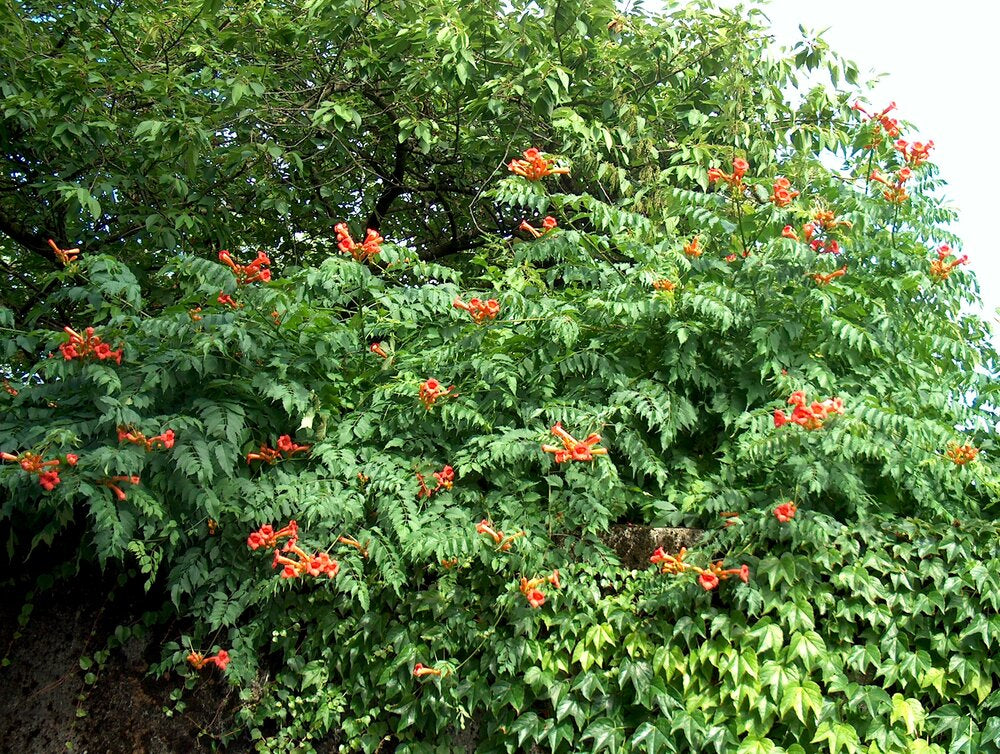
pixel 807 646
pixel 800 698
pixel 755 745
pixel 838 736
pixel 604 734
pixel 651 738
pixel 910 712
pixel 778 676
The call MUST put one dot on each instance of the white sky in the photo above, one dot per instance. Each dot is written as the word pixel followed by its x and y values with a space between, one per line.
pixel 941 61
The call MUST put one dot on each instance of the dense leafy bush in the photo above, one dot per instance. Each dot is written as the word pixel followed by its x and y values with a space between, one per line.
pixel 684 296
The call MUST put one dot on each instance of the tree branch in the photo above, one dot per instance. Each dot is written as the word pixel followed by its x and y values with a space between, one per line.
pixel 394 189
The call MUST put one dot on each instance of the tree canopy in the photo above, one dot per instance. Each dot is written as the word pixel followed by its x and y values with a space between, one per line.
pixel 499 277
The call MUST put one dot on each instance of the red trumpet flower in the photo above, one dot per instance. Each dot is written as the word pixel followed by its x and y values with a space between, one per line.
pixel 78 346
pixel 248 273
pixel 785 512
pixel 431 390
pixel 573 449
pixel 548 224
pixel 361 252
pixel 66 256
pixel 535 166
pixel 479 310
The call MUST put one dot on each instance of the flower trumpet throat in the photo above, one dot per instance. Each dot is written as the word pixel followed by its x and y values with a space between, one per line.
pixel 573 449
pixel 782 193
pixel 445 480
pixel 268 538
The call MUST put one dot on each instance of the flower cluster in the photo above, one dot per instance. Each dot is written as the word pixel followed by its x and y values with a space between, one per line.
pixel 89 344
pixel 361 252
pixel 692 249
pixel 534 595
pixel 708 578
pixel 47 471
pixel 818 232
pixel 431 390
pixel 735 179
pixel 782 193
pixel 808 415
pixel 548 224
pixel 825 278
pixel 573 449
pixel 893 191
pixel 502 543
pixel 164 440
pixel 479 310
pixel 198 661
pixel 318 564
pixel 267 537
pixel 66 256
pixel 664 284
pixel 883 124
pixel 961 454
pixel 8 389
pixel 376 348
pixel 286 448
pixel 915 154
pixel 785 512
pixel 112 483
pixel 445 480
pixel 535 166
pixel 249 273
pixel 940 269
pixel 303 563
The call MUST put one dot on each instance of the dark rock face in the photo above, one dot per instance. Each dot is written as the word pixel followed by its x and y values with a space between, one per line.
pixel 47 706
pixel 634 543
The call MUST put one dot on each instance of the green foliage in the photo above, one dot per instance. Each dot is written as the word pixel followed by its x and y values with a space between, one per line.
pixel 869 621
